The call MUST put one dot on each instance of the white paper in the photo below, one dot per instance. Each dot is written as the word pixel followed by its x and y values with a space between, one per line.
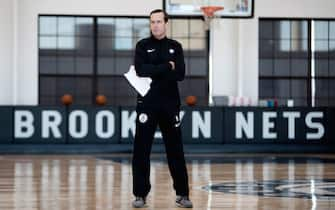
pixel 141 84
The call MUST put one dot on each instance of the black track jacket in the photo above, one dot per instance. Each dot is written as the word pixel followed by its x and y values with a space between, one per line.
pixel 152 58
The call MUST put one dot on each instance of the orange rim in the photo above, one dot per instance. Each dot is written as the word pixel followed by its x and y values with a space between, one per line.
pixel 210 10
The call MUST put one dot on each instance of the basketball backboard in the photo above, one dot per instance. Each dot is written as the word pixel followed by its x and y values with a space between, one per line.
pixel 232 8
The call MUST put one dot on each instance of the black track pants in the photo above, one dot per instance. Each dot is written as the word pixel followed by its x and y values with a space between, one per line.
pixel 146 124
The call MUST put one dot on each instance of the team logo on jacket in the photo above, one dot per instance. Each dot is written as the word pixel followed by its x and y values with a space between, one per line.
pixel 143 118
pixel 151 50
pixel 177 124
pixel 171 51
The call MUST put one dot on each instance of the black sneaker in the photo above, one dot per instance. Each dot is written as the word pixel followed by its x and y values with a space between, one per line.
pixel 183 202
pixel 139 202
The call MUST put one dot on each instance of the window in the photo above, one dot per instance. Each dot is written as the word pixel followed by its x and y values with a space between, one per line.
pixel 191 34
pixel 295 61
pixel 323 68
pixel 66 56
pixel 86 56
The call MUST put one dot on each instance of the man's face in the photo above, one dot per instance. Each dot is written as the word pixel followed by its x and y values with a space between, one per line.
pixel 157 25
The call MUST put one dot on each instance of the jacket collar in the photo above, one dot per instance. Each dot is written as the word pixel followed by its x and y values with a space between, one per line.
pixel 153 38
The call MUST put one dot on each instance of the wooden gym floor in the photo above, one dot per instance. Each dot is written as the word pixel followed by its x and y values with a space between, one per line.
pixel 234 181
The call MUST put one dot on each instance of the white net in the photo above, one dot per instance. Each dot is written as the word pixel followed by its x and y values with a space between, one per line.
pixel 209 13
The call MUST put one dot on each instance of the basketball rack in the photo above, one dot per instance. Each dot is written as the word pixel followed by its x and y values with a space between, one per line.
pixel 209 13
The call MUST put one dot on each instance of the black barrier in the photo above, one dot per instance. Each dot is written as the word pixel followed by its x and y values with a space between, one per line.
pixel 6 125
pixel 331 125
pixel 200 125
pixel 278 125
pixel 39 125
pixel 127 124
pixel 93 125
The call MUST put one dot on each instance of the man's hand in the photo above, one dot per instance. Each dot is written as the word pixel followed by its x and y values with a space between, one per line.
pixel 173 65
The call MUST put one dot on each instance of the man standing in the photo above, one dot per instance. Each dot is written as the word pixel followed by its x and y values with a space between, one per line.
pixel 162 60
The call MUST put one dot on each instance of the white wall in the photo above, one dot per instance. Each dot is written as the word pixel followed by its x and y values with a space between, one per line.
pixel 6 51
pixel 295 8
pixel 240 78
pixel 224 50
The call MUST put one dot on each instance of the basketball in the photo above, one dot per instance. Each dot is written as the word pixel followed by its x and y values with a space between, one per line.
pixel 191 100
pixel 101 100
pixel 67 99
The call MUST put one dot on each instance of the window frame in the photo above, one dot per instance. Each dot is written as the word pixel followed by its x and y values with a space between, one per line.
pixel 95 75
pixel 309 78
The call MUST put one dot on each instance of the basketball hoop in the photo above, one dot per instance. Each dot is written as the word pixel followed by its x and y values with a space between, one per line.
pixel 209 14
